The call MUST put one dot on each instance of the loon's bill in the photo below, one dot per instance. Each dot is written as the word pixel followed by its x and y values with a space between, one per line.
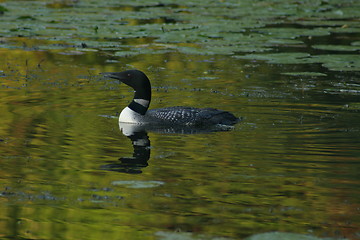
pixel 138 112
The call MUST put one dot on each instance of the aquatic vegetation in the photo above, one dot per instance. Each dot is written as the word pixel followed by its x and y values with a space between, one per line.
pixel 212 27
pixel 286 236
pixel 138 184
pixel 3 9
pixel 314 74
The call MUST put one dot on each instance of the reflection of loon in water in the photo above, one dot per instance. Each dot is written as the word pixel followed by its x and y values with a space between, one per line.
pixel 137 133
pixel 135 120
pixel 141 144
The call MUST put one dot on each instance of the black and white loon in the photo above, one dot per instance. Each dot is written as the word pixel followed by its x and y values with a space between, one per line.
pixel 137 111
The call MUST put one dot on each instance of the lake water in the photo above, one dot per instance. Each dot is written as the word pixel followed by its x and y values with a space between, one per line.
pixel 68 171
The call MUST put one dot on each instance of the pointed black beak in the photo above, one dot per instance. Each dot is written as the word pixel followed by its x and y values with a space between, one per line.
pixel 114 75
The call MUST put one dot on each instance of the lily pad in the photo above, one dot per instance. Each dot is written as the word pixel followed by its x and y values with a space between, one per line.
pixel 311 74
pixel 292 33
pixel 138 51
pixel 335 62
pixel 138 184
pixel 193 27
pixel 3 9
pixel 337 47
pixel 286 236
pixel 339 62
pixel 279 58
pixel 186 236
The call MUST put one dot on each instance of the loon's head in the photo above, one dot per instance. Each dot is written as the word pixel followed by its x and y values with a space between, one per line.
pixel 135 79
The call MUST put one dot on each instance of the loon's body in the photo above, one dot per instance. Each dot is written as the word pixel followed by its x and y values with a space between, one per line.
pixel 137 111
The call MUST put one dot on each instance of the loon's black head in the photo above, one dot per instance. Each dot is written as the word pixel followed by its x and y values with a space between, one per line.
pixel 135 79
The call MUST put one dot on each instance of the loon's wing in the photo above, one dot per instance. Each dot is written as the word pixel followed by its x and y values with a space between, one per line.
pixel 192 116
pixel 174 115
pixel 215 116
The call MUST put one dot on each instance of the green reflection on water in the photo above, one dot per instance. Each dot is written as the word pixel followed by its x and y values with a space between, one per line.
pixel 284 168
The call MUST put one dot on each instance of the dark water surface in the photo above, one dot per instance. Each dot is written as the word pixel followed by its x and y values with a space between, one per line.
pixel 291 165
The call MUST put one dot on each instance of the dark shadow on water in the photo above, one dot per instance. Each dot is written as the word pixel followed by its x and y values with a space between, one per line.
pixel 138 134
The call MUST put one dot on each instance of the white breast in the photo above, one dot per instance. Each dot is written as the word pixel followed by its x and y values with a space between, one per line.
pixel 129 116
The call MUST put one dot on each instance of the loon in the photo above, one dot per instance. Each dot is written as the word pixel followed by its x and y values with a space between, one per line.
pixel 137 111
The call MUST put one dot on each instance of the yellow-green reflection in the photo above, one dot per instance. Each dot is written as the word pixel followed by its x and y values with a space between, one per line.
pixel 288 167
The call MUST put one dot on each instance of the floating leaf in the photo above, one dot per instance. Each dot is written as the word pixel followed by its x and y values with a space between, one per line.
pixel 193 27
pixel 338 62
pixel 335 62
pixel 26 17
pixel 138 51
pixel 186 236
pixel 292 33
pixel 312 74
pixel 285 236
pixel 337 47
pixel 3 9
pixel 138 184
pixel 280 58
